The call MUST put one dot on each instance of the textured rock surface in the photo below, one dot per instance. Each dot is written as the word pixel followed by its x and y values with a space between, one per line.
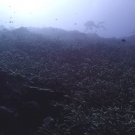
pixel 22 105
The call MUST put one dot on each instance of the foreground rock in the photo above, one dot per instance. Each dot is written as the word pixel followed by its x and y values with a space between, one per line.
pixel 23 106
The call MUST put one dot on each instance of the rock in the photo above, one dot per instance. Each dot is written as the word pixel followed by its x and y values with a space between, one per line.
pixel 49 121
pixel 7 117
pixel 29 111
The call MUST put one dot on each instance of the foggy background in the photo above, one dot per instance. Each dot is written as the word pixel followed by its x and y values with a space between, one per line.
pixel 118 15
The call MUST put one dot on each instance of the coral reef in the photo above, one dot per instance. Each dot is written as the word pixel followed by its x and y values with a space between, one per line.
pixel 54 87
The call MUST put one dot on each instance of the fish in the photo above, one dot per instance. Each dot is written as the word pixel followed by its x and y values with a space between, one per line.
pixel 10 21
pixel 123 40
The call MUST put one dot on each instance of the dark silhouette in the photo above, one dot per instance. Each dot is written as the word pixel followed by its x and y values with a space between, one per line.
pixel 123 40
pixel 91 24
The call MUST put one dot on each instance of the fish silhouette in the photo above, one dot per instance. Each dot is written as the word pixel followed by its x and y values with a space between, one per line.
pixel 123 40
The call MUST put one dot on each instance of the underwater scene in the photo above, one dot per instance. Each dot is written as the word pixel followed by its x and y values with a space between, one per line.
pixel 67 67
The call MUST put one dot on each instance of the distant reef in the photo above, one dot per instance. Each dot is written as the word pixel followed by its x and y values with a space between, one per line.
pixel 60 34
